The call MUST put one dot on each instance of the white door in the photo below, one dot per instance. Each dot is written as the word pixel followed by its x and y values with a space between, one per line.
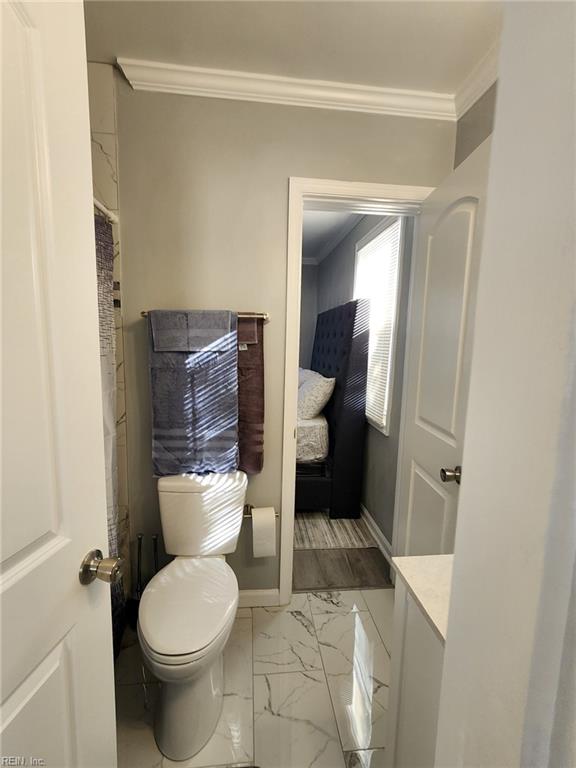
pixel 57 665
pixel 445 273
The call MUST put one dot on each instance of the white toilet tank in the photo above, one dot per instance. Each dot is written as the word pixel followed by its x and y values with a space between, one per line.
pixel 202 514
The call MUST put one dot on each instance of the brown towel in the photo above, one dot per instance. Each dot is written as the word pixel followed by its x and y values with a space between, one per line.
pixel 251 394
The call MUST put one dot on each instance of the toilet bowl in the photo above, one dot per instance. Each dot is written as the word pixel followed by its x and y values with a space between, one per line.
pixel 188 608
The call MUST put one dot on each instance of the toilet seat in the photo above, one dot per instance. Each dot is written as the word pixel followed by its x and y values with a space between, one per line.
pixel 181 661
pixel 186 608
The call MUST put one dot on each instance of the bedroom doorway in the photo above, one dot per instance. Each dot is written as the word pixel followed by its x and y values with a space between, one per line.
pixel 350 262
pixel 331 463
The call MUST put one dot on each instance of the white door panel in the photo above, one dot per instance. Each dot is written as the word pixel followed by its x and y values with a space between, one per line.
pixel 430 513
pixel 445 294
pixel 24 297
pixel 37 713
pixel 445 270
pixel 57 666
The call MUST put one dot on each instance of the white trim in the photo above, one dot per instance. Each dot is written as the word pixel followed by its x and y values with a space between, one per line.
pixel 484 74
pixel 377 426
pixel 381 198
pixel 362 206
pixel 384 199
pixel 397 540
pixel 383 544
pixel 291 91
pixel 257 598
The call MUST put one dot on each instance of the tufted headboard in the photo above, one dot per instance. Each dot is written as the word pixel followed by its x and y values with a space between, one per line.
pixel 341 351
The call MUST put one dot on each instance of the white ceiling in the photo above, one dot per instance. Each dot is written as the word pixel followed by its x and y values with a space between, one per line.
pixel 322 231
pixel 429 46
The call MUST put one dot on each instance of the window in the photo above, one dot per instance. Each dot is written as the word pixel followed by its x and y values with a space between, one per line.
pixel 377 279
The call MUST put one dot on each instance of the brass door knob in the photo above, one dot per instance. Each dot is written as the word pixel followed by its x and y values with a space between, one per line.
pixel 94 566
pixel 451 475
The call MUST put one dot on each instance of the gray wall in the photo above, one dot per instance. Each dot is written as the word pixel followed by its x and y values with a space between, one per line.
pixel 382 450
pixel 308 312
pixel 475 125
pixel 204 199
pixel 336 286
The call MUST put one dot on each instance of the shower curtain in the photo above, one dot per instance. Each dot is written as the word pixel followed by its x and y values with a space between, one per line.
pixel 105 281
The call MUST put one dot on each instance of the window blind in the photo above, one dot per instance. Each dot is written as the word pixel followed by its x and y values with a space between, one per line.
pixel 376 279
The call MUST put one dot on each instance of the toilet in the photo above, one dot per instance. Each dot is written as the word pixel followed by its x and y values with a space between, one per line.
pixel 188 608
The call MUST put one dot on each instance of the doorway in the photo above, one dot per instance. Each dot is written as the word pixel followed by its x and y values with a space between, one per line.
pixel 350 205
pixel 354 301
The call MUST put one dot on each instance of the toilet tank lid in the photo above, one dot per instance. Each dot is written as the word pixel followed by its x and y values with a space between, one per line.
pixel 231 481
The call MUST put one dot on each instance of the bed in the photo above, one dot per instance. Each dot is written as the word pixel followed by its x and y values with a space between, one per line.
pixel 312 439
pixel 340 351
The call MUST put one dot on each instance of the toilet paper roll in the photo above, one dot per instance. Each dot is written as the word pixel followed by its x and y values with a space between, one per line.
pixel 263 531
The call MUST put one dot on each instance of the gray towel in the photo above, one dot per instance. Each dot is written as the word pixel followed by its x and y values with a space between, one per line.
pixel 194 385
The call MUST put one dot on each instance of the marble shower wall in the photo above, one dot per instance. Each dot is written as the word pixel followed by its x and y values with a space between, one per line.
pixel 104 135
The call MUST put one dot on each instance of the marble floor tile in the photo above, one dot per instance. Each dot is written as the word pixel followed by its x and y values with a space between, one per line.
pixel 134 719
pixel 380 603
pixel 294 722
pixel 311 681
pixel 298 602
pixel 358 672
pixel 284 638
pixel 365 758
pixel 130 668
pixel 233 739
pixel 337 602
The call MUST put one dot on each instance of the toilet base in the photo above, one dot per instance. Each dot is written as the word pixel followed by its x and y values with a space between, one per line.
pixel 188 712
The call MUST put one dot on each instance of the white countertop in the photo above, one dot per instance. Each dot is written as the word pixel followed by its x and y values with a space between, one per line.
pixel 428 578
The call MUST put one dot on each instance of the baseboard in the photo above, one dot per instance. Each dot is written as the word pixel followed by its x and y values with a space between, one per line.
pixel 383 544
pixel 258 598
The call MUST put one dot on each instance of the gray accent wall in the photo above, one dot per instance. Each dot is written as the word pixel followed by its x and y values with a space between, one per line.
pixel 336 286
pixel 308 312
pixel 204 200
pixel 475 125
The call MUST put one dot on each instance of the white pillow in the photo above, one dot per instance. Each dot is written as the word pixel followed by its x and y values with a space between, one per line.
pixel 313 395
pixel 303 375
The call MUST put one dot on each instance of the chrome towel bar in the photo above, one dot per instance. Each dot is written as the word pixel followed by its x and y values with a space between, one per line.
pixel 258 315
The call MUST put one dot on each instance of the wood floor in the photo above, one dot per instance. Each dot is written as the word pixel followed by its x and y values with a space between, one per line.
pixel 322 569
pixel 316 530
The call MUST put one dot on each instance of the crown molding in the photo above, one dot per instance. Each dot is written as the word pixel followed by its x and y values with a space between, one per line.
pixel 273 89
pixel 484 74
pixel 321 94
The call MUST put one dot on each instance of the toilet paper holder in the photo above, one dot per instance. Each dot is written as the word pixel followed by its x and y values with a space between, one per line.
pixel 248 511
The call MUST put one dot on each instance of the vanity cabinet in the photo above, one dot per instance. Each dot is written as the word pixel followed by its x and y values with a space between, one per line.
pixel 420 619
